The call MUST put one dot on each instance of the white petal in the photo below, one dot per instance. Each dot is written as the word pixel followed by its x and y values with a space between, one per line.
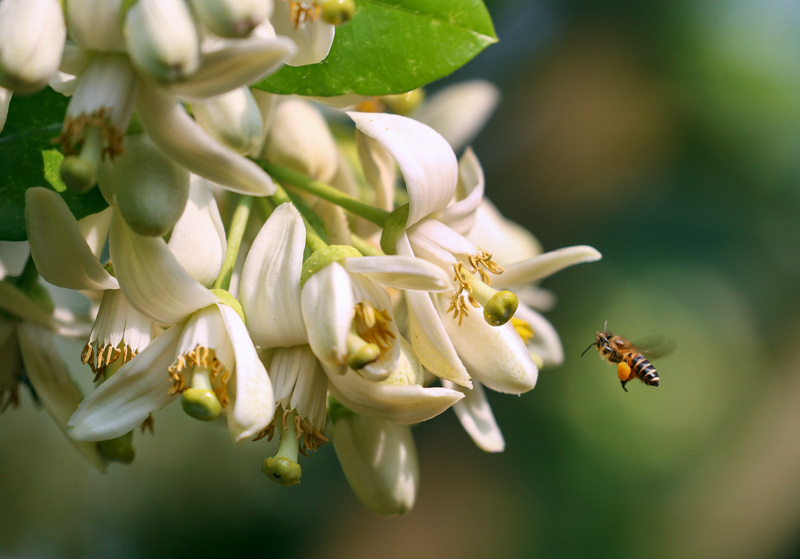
pixel 121 403
pixel 427 334
pixel 188 144
pixel 118 322
pixel 401 272
pixel 380 169
pixel 94 228
pixel 152 279
pixel 379 459
pixel 401 404
pixel 494 355
pixel 61 254
pixel 436 242
pixel 5 100
pixel 426 160
pixel 505 240
pixel 198 238
pixel 50 380
pixel 460 215
pixel 313 38
pixel 459 112
pixel 96 24
pixel 327 303
pixel 546 264
pixel 477 418
pixel 300 383
pixel 253 402
pixel 269 289
pixel 546 342
pixel 13 256
pixel 236 64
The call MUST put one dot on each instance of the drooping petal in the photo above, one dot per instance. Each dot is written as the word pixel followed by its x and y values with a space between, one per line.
pixel 300 383
pixel 459 112
pixel 401 272
pixel 50 380
pixel 252 399
pixel 477 419
pixel 493 355
pixel 198 238
pixel 121 403
pixel 426 160
pixel 547 264
pixel 182 139
pixel 152 279
pixel 234 64
pixel 269 289
pixel 94 228
pixel 379 459
pixel 327 304
pixel 61 254
pixel 380 169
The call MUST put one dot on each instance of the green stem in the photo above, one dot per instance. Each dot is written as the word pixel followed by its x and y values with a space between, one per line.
pixel 326 192
pixel 235 234
pixel 364 247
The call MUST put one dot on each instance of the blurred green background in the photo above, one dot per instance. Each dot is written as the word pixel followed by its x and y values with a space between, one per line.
pixel 664 133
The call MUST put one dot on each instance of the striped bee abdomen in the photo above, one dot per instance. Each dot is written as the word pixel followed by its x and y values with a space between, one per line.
pixel 642 368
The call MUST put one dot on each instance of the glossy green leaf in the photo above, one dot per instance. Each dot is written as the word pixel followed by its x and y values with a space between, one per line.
pixel 392 46
pixel 28 158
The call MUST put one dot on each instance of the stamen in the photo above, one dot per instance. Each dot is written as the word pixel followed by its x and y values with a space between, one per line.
pixel 373 325
pixel 302 12
pixel 100 360
pixel 203 358
pixel 482 263
pixel 74 132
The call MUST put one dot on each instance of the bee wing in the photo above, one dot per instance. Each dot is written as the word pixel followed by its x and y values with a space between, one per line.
pixel 654 347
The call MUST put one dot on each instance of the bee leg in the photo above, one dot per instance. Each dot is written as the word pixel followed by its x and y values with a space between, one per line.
pixel 623 385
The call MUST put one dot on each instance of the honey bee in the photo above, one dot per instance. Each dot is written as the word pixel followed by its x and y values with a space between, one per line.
pixel 629 358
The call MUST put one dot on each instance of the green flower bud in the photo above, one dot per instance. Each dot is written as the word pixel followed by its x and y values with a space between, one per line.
pixel 337 12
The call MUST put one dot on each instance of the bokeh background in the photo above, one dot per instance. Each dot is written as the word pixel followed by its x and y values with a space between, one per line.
pixel 664 133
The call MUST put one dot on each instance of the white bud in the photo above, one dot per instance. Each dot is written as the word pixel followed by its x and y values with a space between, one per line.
pixel 232 118
pixel 32 35
pixel 96 25
pixel 379 459
pixel 162 39
pixel 232 18
pixel 301 140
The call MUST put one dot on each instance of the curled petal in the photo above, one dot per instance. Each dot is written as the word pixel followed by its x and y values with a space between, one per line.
pixel 152 279
pixel 121 403
pixel 61 253
pixel 401 404
pixel 426 160
pixel 460 215
pixel 545 343
pixel 182 139
pixel 547 264
pixel 477 418
pixel 505 240
pixel 253 401
pixel 269 289
pixel 401 272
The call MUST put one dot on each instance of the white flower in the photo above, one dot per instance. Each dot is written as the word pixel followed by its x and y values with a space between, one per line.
pixel 207 355
pixel 300 22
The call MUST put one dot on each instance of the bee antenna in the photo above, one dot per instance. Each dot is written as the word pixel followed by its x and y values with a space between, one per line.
pixel 605 326
pixel 587 349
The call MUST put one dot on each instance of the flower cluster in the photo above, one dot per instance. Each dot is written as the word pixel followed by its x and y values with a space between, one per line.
pixel 364 283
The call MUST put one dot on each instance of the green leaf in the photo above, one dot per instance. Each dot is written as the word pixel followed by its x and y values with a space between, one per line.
pixel 392 46
pixel 28 158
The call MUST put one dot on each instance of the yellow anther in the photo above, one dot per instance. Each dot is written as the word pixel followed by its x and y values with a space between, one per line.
pixel 523 328
pixel 302 12
pixel 482 264
pixel 373 325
